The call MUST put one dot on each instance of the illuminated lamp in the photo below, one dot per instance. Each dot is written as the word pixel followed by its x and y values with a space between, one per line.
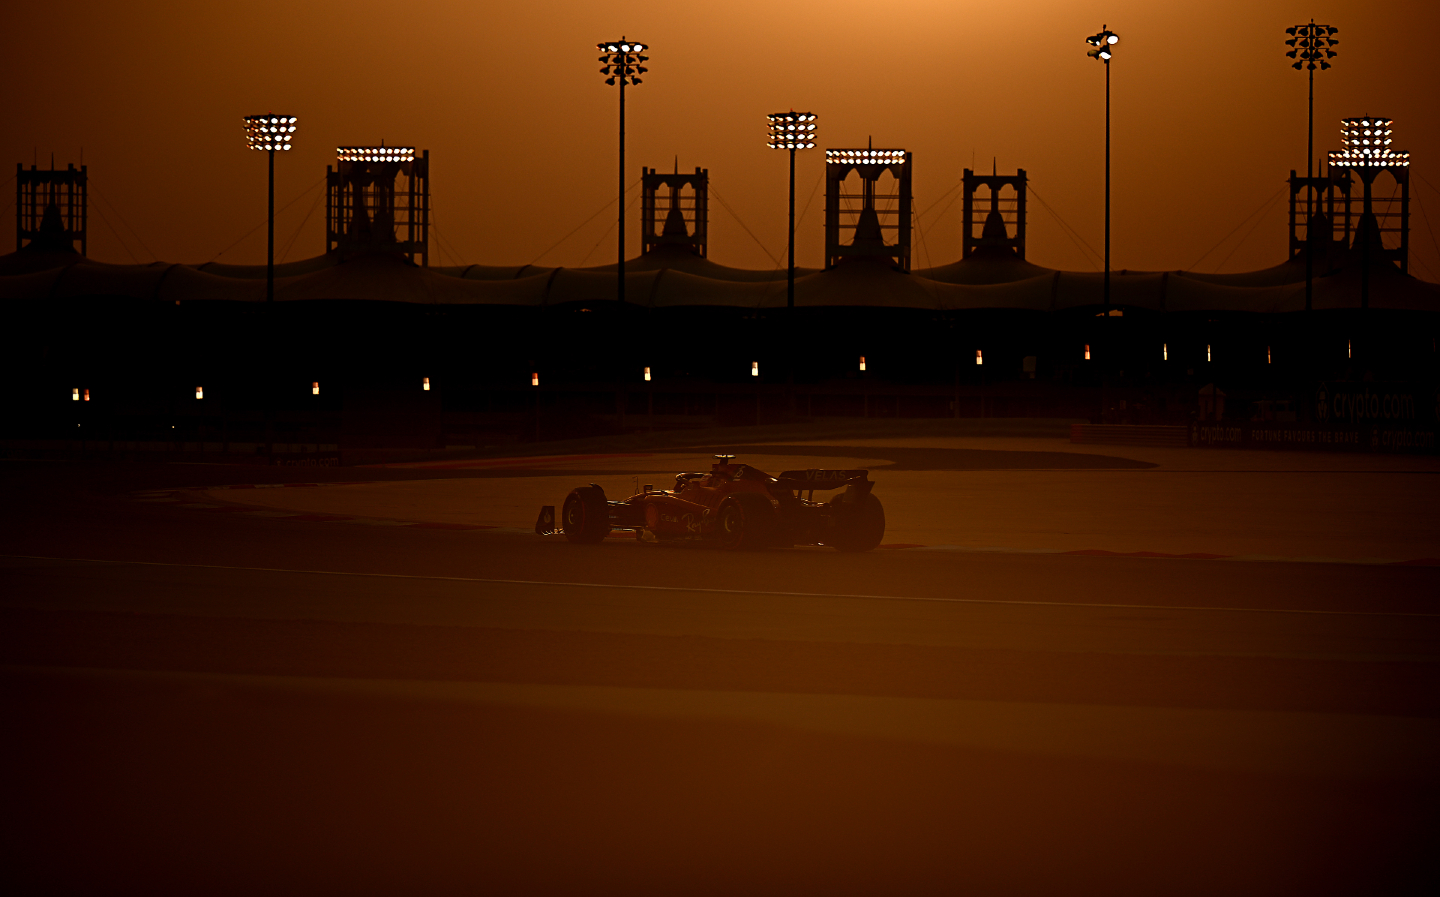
pixel 425 383
pixel 315 388
pixel 199 392
pixel 647 375
pixel 1164 351
pixel 86 395
pixel 535 378
pixel 1267 355
pixel 862 362
pixel 1373 151
pixel 979 357
pixel 1087 351
pixel 754 368
pixel 380 153
pixel 75 395
pixel 1207 352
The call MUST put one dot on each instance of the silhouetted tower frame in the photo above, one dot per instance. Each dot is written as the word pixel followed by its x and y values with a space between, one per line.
pixel 1010 209
pixel 1328 195
pixel 1366 140
pixel 868 225
pixel 373 195
pixel 36 191
pixel 671 217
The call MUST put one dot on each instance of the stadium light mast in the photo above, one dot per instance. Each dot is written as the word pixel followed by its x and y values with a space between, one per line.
pixel 792 131
pixel 1310 47
pixel 271 134
pixel 1103 47
pixel 622 63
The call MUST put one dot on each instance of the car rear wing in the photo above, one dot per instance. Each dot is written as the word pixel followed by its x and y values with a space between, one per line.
pixel 814 478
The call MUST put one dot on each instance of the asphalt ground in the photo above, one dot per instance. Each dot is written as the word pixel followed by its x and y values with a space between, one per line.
pixel 205 702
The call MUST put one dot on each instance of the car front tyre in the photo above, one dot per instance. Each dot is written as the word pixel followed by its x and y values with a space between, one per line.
pixel 585 517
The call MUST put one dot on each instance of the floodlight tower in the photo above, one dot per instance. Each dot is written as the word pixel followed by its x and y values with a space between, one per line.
pixel 1103 45
pixel 1366 151
pixel 1310 46
pixel 622 60
pixel 271 133
pixel 792 131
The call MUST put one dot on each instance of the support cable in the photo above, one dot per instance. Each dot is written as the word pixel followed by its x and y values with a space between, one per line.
pixel 628 206
pixel 577 227
pixel 1258 219
pixel 1262 207
pixel 123 244
pixel 747 230
pixel 1069 231
pixel 133 232
pixel 252 230
pixel 293 237
pixel 1431 230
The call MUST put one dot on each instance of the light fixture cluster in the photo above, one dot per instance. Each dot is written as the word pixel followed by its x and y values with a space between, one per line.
pixel 1103 44
pixel 792 130
pixel 1366 141
pixel 375 153
pixel 622 60
pixel 269 132
pixel 866 156
pixel 1310 45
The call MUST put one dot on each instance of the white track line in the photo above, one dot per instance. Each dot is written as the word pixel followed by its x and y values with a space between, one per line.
pixel 607 585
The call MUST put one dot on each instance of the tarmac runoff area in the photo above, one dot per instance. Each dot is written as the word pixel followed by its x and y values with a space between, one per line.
pixel 973 494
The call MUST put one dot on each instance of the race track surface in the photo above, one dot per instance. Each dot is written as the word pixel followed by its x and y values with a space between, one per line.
pixel 301 690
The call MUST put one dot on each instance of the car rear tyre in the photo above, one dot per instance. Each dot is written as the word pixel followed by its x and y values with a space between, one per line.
pixel 745 521
pixel 585 517
pixel 859 526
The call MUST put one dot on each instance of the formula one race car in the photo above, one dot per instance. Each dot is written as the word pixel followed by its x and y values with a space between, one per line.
pixel 733 506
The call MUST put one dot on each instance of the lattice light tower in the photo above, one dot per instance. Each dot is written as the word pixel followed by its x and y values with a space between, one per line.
pixel 51 209
pixel 878 214
pixel 675 210
pixel 378 200
pixel 1366 151
pixel 1002 234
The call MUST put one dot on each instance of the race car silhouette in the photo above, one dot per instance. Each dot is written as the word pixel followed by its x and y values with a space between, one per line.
pixel 734 506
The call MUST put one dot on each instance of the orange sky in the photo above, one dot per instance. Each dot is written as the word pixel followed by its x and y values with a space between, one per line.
pixel 1208 119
